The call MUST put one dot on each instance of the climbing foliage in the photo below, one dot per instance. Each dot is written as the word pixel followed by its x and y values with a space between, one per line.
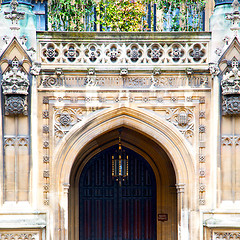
pixel 125 15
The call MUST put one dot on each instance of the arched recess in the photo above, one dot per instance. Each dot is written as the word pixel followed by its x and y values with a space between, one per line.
pixel 86 139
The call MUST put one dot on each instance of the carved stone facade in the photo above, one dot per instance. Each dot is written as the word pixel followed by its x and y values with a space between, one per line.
pixel 175 97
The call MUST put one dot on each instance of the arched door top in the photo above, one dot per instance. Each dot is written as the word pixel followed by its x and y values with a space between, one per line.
pixel 145 122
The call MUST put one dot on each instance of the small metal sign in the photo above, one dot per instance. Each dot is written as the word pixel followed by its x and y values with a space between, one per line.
pixel 162 217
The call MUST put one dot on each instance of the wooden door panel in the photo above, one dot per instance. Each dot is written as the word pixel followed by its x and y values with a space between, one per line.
pixel 110 211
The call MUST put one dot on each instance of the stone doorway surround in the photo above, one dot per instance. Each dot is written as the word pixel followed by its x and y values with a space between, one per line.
pixel 142 122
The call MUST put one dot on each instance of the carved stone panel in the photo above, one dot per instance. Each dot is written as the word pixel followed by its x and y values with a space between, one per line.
pixel 231 105
pixel 183 119
pixel 15 82
pixel 15 105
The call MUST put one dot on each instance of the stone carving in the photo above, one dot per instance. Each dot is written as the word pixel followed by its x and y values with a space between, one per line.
pixel 156 71
pixel 197 52
pixel 35 69
pixel 45 100
pixel 50 52
pixel 202 159
pixel 231 105
pixel 202 114
pixel 183 119
pixel 157 81
pixel 122 53
pixel 91 71
pixel 46 144
pixel 202 129
pixel 50 82
pixel 202 100
pixel 123 71
pixel 45 159
pixel 18 236
pixel 71 52
pixel 15 105
pixel 45 129
pixel 113 52
pixel 134 52
pixel 16 141
pixel 155 52
pixel 65 119
pixel 45 114
pixel 218 51
pixel 202 173
pixel 231 82
pixel 214 69
pixel 46 174
pixel 92 52
pixel 202 187
pixel 176 52
pixel 46 187
pixel 202 201
pixel 234 16
pixel 14 15
pixel 15 81
pixel 226 235
pixel 230 140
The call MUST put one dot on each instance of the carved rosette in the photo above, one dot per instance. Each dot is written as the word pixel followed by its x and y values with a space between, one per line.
pixel 15 105
pixel 231 105
pixel 231 92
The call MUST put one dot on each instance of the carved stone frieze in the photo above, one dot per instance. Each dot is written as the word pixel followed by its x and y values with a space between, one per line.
pixel 183 119
pixel 17 236
pixel 15 105
pixel 16 141
pixel 124 81
pixel 230 140
pixel 226 235
pixel 79 52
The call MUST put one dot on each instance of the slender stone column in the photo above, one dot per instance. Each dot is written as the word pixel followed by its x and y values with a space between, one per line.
pixel 64 223
pixel 183 233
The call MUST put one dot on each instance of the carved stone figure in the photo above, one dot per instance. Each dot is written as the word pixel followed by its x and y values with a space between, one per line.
pixel 15 82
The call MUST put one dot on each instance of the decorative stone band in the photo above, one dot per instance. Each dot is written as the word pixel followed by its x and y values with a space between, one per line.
pixel 126 81
pixel 103 53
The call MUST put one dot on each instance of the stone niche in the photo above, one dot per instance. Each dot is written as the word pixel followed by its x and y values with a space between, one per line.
pixel 15 65
pixel 230 82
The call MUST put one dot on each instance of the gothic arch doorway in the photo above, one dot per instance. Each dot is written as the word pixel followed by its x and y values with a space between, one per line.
pixel 89 165
pixel 113 210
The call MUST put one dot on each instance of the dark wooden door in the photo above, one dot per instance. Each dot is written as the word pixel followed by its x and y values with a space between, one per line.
pixel 109 211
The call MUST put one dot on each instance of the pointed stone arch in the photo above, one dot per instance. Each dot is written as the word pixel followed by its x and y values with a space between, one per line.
pixel 144 122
